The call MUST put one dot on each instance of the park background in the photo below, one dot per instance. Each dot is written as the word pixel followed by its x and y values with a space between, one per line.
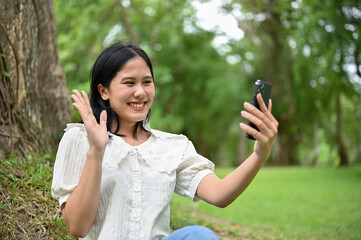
pixel 206 56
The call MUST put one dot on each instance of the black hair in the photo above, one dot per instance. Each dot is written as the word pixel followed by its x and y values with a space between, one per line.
pixel 106 66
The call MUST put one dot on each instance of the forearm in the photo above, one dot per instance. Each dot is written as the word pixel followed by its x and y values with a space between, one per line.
pixel 223 192
pixel 81 208
pixel 230 187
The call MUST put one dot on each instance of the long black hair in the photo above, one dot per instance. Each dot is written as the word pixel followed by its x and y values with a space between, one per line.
pixel 107 65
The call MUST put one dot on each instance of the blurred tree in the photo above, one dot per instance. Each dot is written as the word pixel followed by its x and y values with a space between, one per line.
pixel 266 55
pixel 305 50
pixel 329 39
pixel 34 102
pixel 197 91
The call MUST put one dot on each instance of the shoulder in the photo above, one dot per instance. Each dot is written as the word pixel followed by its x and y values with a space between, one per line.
pixel 74 134
pixel 74 127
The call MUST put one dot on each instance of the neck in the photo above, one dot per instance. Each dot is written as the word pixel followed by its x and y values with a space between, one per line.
pixel 128 129
pixel 128 137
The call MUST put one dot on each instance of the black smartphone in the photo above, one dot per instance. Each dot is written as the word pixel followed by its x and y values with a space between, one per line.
pixel 264 88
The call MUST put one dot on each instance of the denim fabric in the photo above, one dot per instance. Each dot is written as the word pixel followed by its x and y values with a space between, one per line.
pixel 192 233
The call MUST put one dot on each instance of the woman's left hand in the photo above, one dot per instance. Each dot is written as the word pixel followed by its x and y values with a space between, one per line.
pixel 265 122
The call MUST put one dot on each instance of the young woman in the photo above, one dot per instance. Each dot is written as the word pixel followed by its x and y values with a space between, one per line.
pixel 114 176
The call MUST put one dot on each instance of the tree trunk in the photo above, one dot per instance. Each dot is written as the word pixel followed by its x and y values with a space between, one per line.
pixel 34 102
pixel 316 145
pixel 278 71
pixel 55 105
pixel 342 153
pixel 242 147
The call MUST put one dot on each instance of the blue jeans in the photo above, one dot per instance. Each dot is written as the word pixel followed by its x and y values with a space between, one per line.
pixel 192 233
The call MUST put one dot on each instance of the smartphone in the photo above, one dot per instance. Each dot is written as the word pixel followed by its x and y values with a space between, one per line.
pixel 264 88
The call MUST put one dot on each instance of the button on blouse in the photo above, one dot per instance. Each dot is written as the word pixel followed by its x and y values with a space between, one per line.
pixel 138 182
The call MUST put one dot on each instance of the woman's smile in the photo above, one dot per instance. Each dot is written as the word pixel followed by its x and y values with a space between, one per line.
pixel 137 106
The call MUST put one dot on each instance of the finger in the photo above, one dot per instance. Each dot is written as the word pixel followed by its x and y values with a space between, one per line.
pixel 86 100
pixel 78 97
pixel 261 125
pixel 81 103
pixel 263 116
pixel 270 105
pixel 270 115
pixel 74 97
pixel 83 112
pixel 78 104
pixel 253 132
pixel 261 103
pixel 264 110
pixel 82 100
pixel 103 119
pixel 77 93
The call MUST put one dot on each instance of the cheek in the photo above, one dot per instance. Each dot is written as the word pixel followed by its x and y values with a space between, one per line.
pixel 151 93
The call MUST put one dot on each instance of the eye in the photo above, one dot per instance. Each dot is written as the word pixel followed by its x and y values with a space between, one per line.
pixel 129 83
pixel 148 81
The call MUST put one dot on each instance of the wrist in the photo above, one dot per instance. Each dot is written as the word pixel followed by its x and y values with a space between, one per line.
pixel 261 158
pixel 97 153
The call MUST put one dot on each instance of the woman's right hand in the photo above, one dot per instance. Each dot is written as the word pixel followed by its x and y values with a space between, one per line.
pixel 97 133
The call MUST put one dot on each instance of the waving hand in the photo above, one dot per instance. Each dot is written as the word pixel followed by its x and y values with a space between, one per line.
pixel 97 133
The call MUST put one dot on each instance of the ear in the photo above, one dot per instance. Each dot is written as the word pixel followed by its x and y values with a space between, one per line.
pixel 103 92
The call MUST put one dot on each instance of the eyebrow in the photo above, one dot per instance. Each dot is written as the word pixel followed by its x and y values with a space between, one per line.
pixel 133 78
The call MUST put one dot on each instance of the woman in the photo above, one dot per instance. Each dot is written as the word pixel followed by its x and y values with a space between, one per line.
pixel 114 176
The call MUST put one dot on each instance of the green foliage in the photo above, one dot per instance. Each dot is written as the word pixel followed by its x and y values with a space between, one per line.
pixel 192 92
pixel 301 47
pixel 293 203
pixel 304 48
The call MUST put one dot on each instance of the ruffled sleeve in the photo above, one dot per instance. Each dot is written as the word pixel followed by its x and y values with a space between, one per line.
pixel 69 162
pixel 191 171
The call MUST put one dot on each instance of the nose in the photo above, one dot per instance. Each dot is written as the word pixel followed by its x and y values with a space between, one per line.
pixel 139 91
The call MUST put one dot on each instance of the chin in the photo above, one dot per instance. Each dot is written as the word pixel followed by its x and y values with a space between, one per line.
pixel 139 119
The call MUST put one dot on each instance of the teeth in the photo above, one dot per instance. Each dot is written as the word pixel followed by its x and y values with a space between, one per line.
pixel 137 105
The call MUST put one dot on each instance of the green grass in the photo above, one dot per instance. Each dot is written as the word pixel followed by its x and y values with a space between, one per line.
pixel 281 203
pixel 292 203
pixel 27 210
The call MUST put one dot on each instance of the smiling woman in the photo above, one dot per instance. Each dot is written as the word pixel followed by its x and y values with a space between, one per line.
pixel 137 73
pixel 114 176
pixel 130 94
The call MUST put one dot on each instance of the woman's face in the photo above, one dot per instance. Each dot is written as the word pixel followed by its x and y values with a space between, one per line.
pixel 131 92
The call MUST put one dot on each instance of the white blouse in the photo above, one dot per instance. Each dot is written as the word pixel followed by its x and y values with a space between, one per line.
pixel 137 184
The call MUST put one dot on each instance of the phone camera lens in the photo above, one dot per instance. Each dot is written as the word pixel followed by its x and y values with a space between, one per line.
pixel 261 88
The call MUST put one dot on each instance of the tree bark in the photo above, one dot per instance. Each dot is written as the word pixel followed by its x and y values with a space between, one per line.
pixel 278 71
pixel 55 105
pixel 342 153
pixel 34 103
pixel 316 145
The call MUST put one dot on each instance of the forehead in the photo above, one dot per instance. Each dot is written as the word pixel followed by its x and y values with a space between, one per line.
pixel 135 65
